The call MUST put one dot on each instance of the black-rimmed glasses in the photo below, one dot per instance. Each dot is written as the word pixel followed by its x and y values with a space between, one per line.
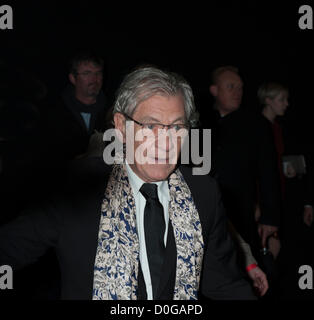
pixel 159 126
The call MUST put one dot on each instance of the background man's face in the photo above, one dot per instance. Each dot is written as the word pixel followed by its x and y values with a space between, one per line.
pixel 88 80
pixel 228 92
pixel 162 161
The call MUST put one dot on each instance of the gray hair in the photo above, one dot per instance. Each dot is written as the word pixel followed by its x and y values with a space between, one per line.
pixel 145 82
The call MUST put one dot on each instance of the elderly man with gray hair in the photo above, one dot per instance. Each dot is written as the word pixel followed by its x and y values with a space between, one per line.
pixel 145 228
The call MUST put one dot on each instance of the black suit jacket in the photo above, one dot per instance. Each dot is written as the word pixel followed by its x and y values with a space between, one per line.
pixel 70 224
pixel 65 129
pixel 244 162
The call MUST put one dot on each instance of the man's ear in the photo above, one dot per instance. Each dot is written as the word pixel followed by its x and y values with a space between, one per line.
pixel 119 123
pixel 72 78
pixel 213 89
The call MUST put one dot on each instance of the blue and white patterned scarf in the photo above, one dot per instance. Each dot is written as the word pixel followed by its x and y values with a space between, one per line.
pixel 117 256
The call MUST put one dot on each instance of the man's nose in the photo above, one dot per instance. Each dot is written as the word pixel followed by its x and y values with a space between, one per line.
pixel 164 139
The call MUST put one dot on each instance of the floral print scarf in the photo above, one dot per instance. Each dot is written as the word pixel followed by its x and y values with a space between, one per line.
pixel 117 256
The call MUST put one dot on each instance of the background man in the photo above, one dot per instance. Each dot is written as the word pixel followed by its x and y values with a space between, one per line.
pixel 81 109
pixel 244 161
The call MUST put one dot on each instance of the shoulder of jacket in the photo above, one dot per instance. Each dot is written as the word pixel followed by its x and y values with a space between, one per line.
pixel 204 180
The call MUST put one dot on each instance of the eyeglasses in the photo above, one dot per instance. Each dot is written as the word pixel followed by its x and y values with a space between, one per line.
pixel 88 74
pixel 159 126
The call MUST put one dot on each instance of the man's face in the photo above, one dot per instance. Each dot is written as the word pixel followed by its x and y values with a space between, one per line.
pixel 161 152
pixel 228 92
pixel 88 80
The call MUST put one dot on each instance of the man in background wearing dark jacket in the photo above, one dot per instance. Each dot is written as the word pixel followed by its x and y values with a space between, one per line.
pixel 81 111
pixel 244 161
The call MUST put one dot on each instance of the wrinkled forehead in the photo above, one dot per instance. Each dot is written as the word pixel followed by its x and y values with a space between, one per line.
pixel 162 106
pixel 152 99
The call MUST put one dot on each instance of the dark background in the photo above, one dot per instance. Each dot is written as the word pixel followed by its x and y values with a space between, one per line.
pixel 261 38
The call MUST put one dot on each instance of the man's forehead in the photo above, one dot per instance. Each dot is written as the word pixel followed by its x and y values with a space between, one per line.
pixel 161 108
pixel 229 76
pixel 158 102
pixel 89 65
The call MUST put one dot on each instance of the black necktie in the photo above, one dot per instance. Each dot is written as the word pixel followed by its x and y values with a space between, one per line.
pixel 154 227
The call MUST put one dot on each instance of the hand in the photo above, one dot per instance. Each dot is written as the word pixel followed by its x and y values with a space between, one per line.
pixel 274 246
pixel 96 144
pixel 265 231
pixel 259 280
pixel 308 216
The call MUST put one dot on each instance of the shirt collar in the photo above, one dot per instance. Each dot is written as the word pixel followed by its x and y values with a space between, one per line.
pixel 136 183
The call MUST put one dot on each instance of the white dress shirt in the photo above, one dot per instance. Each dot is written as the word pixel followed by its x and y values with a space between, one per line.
pixel 140 202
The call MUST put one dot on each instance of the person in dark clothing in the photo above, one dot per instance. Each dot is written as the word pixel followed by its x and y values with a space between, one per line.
pixel 81 110
pixel 295 190
pixel 273 98
pixel 244 162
